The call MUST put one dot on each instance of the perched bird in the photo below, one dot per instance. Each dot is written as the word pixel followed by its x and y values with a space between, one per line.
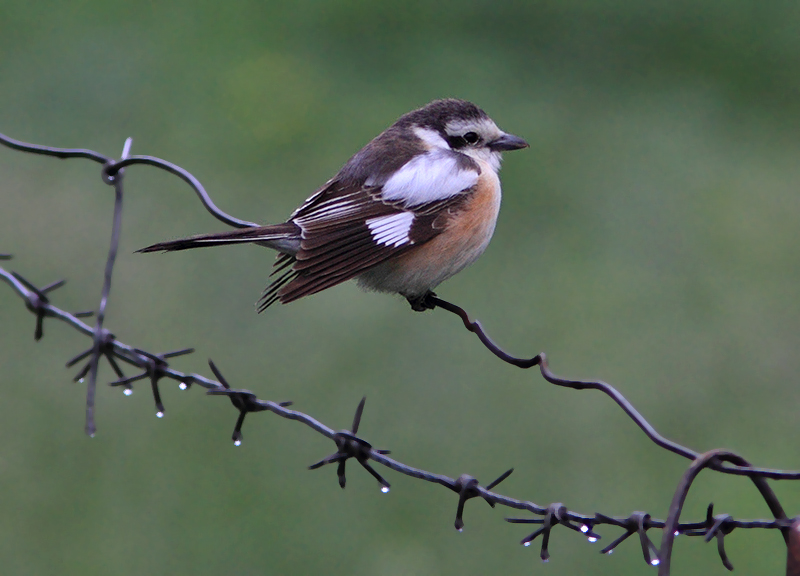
pixel 408 211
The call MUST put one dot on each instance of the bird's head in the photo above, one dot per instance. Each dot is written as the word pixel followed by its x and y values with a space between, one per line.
pixel 462 127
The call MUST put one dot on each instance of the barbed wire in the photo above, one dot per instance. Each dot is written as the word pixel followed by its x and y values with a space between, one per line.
pixel 155 367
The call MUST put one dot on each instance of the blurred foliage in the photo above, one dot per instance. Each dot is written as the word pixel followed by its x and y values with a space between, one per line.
pixel 648 238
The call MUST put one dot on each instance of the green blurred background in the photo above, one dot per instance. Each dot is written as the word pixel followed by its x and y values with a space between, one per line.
pixel 648 237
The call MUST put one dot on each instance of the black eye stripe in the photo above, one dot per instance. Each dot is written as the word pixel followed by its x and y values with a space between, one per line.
pixel 468 139
pixel 456 142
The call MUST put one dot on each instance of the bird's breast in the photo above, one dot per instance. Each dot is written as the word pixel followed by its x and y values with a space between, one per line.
pixel 466 234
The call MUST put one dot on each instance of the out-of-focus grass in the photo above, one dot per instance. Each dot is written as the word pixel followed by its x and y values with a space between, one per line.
pixel 647 237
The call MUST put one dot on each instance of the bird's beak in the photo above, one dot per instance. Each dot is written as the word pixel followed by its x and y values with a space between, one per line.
pixel 507 142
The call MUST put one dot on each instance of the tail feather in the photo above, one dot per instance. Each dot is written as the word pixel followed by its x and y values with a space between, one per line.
pixel 283 237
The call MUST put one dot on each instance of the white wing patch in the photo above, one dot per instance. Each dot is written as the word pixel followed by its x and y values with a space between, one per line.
pixel 434 175
pixel 391 230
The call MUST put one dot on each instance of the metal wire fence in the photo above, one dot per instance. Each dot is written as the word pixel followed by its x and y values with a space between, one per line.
pixel 351 446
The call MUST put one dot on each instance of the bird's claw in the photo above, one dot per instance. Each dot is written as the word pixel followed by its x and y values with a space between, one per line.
pixel 422 303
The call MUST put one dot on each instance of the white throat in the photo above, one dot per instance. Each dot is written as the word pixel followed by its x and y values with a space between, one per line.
pixel 484 155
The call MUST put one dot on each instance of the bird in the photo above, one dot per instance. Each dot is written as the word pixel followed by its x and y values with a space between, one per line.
pixel 412 208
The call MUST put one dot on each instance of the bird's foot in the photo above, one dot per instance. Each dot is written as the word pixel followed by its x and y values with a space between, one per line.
pixel 422 303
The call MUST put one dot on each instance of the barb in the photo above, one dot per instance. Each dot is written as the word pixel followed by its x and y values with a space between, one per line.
pixel 243 400
pixel 36 299
pixel 37 302
pixel 555 514
pixel 348 445
pixel 154 369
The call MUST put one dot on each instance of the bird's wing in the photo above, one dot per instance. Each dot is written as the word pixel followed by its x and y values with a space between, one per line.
pixel 348 228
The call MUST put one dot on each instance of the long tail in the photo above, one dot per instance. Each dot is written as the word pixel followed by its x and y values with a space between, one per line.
pixel 282 237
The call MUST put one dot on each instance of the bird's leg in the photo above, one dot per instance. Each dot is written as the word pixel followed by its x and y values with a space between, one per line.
pixel 422 303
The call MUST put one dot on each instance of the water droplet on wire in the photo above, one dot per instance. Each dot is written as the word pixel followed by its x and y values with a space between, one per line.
pixel 655 562
pixel 159 414
pixel 584 528
pixel 592 539
pixel 384 489
pixel 183 386
pixel 237 442
pixel 128 391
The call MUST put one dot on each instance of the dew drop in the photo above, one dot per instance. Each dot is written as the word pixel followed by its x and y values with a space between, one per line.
pixel 183 386
pixel 128 391
pixel 80 380
pixel 677 533
pixel 237 442
pixel 655 562
pixel 592 539
pixel 610 552
pixel 385 489
pixel 584 528
pixel 460 529
pixel 526 544
pixel 159 414
pixel 545 560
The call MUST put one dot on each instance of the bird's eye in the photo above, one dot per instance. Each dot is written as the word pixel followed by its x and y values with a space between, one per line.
pixel 471 137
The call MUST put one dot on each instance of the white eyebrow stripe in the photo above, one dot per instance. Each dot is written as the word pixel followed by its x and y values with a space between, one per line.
pixel 485 127
pixel 429 177
pixel 391 230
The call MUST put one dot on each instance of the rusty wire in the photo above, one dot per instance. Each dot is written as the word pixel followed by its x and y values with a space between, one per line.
pixel 349 445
